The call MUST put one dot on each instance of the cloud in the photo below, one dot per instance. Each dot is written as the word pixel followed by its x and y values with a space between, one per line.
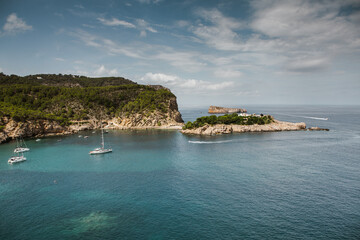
pixel 116 22
pixel 228 73
pixel 187 61
pixel 141 25
pixel 15 25
pixel 144 26
pixel 60 59
pixel 301 36
pixel 218 31
pixel 160 78
pixel 102 71
pixel 149 1
pixel 307 65
pixel 178 83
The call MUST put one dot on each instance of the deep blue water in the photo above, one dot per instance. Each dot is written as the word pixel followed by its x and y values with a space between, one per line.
pixel 165 185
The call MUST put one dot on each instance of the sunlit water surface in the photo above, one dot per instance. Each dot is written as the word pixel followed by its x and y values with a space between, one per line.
pixel 165 185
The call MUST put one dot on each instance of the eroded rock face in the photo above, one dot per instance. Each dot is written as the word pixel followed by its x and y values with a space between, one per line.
pixel 226 129
pixel 221 110
pixel 13 129
pixel 37 128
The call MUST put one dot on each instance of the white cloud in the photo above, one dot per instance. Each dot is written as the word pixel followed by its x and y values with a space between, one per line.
pixel 178 83
pixel 220 33
pixel 228 73
pixel 116 22
pixel 59 59
pixel 159 77
pixel 307 65
pixel 102 71
pixel 144 26
pixel 301 36
pixel 15 25
pixel 141 25
pixel 149 1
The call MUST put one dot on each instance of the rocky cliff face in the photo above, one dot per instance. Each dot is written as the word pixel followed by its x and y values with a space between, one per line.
pixel 171 119
pixel 222 110
pixel 226 129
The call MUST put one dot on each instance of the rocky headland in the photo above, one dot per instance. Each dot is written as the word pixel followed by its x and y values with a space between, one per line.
pixel 222 110
pixel 275 126
pixel 46 105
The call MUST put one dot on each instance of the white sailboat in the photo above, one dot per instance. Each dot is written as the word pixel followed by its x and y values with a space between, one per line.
pixel 101 150
pixel 17 159
pixel 21 146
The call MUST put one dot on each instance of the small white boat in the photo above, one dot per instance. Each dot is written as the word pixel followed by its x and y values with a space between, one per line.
pixel 21 146
pixel 86 136
pixel 38 140
pixel 17 159
pixel 80 136
pixel 102 149
pixel 20 150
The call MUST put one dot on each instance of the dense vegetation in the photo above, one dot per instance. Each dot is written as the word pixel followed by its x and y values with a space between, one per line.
pixel 63 80
pixel 229 119
pixel 22 101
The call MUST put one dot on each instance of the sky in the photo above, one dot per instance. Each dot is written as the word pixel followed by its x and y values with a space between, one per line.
pixel 208 52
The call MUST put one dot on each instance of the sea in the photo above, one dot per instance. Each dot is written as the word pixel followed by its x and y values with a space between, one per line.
pixel 161 184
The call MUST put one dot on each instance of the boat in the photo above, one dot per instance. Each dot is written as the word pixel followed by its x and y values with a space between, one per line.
pixel 38 140
pixel 21 146
pixel 102 149
pixel 17 159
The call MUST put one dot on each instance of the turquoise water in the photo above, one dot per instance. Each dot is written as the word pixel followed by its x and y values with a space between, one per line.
pixel 164 185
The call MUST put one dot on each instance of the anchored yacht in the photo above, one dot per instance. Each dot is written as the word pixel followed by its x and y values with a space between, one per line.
pixel 102 149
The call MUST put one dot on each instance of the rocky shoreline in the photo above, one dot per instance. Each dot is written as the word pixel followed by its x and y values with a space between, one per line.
pixel 41 128
pixel 232 128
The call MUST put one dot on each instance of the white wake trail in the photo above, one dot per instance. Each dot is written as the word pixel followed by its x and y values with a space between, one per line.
pixel 210 142
pixel 316 118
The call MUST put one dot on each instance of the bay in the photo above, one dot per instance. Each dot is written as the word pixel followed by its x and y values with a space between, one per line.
pixel 160 184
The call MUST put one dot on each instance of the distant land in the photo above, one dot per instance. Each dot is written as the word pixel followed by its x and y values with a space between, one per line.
pixel 221 110
pixel 50 104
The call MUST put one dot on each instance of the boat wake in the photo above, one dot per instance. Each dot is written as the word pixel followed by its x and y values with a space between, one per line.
pixel 316 118
pixel 210 142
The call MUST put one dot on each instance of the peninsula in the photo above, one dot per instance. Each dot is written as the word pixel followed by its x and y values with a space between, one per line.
pixel 222 110
pixel 49 104
pixel 213 125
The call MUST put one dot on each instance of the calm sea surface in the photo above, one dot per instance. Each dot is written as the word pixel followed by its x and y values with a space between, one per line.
pixel 164 185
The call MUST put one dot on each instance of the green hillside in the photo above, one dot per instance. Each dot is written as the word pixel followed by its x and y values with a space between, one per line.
pixel 65 98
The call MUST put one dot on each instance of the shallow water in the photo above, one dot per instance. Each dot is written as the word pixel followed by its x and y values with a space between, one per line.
pixel 162 184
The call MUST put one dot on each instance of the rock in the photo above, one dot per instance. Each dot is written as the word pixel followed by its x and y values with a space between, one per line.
pixel 226 129
pixel 219 110
pixel 317 129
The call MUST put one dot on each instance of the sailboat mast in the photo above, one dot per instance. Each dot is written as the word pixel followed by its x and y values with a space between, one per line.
pixel 102 138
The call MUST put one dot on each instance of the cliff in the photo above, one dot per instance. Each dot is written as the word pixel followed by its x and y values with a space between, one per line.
pixel 221 110
pixel 39 105
pixel 234 128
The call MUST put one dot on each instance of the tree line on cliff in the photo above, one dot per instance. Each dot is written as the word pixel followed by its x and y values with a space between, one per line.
pixel 26 98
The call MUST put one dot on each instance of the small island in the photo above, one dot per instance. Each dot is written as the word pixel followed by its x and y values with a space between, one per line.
pixel 233 123
pixel 222 110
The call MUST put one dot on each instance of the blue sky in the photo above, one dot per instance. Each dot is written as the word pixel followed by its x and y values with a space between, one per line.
pixel 207 52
